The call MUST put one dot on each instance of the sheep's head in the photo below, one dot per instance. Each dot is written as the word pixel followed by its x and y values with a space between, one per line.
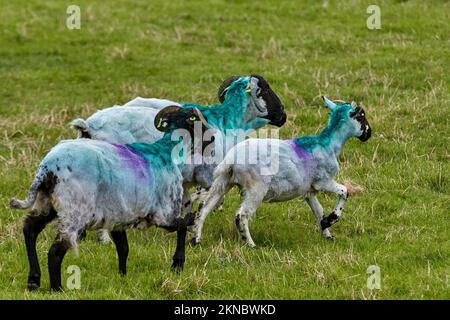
pixel 352 116
pixel 176 117
pixel 188 123
pixel 262 102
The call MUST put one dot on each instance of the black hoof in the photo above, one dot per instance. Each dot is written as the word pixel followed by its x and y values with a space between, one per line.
pixel 34 282
pixel 33 286
pixel 56 289
pixel 177 266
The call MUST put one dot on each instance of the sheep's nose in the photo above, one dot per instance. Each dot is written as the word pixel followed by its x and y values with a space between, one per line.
pixel 281 121
pixel 366 135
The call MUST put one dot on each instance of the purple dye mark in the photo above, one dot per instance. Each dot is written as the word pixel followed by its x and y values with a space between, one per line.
pixel 299 151
pixel 304 156
pixel 135 161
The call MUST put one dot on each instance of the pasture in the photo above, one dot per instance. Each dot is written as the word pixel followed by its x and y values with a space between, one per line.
pixel 180 50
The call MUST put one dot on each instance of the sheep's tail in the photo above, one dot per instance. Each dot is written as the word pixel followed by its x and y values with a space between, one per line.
pixel 222 177
pixel 81 126
pixel 352 188
pixel 32 193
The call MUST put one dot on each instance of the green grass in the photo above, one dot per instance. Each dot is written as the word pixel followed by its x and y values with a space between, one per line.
pixel 182 50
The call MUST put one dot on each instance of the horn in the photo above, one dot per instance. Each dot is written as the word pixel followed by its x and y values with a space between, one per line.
pixel 203 119
pixel 221 92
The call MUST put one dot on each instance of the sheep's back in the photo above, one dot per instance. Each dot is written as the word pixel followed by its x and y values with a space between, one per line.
pixel 106 185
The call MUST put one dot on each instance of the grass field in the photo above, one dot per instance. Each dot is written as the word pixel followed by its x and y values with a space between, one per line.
pixel 181 50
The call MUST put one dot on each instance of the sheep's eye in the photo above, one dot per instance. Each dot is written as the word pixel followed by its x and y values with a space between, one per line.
pixel 193 118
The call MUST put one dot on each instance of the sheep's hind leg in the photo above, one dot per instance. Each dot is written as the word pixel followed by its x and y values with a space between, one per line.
pixel 341 191
pixel 316 207
pixel 103 236
pixel 119 238
pixel 32 226
pixel 55 257
pixel 252 200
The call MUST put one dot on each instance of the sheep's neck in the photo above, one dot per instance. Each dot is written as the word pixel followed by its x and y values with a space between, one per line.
pixel 229 114
pixel 332 138
pixel 161 152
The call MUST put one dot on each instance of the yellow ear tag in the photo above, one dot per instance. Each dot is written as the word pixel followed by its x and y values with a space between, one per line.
pixel 248 90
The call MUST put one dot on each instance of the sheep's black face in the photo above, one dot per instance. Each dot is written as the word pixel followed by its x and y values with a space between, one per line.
pixel 360 115
pixel 275 108
pixel 269 103
pixel 192 120
pixel 175 117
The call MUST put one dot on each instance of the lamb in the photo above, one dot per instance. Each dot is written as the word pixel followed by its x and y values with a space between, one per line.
pixel 258 106
pixel 306 166
pixel 91 184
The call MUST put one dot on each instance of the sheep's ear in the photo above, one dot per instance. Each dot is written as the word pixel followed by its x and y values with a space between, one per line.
pixel 164 117
pixel 330 104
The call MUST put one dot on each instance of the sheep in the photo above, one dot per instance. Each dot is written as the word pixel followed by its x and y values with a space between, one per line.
pixel 305 166
pixel 91 184
pixel 129 123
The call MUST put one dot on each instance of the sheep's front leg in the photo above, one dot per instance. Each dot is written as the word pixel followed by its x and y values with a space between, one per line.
pixel 316 207
pixel 55 257
pixel 341 191
pixel 32 226
pixel 119 238
pixel 181 227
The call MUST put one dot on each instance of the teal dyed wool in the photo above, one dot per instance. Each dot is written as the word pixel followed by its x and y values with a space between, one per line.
pixel 230 114
pixel 159 154
pixel 240 112
pixel 281 170
pixel 110 186
pixel 334 134
pixel 133 122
